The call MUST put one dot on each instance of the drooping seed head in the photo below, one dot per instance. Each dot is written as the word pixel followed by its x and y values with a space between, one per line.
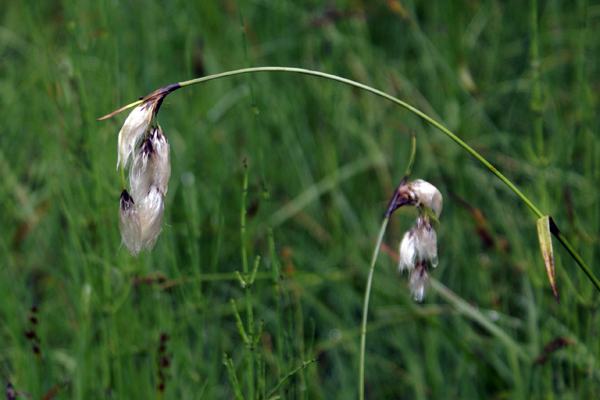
pixel 130 224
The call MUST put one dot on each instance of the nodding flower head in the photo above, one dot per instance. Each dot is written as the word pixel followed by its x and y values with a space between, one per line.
pixel 148 178
pixel 141 213
pixel 418 248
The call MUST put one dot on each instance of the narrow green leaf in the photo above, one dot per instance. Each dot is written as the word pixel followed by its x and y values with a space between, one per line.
pixel 543 227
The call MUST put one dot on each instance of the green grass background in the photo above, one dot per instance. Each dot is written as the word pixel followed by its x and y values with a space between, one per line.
pixel 332 156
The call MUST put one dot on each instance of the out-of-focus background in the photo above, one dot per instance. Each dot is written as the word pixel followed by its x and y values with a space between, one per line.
pixel 516 80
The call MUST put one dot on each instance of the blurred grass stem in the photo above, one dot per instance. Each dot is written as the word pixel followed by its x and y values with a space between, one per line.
pixel 363 332
pixel 246 286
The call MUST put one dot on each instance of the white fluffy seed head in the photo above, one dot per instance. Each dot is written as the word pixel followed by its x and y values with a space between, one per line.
pixel 133 129
pixel 151 166
pixel 161 159
pixel 419 243
pixel 130 224
pixel 408 250
pixel 426 241
pixel 425 193
pixel 151 210
pixel 419 280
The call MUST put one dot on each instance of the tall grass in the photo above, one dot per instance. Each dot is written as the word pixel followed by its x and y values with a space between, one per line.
pixel 332 156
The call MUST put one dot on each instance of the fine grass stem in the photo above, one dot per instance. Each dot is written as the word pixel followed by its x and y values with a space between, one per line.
pixel 384 223
pixel 363 332
pixel 233 377
pixel 304 365
pixel 255 111
pixel 247 287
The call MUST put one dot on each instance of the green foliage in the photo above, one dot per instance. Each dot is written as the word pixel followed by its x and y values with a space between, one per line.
pixel 524 95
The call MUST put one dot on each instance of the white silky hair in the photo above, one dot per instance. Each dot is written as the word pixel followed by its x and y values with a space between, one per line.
pixel 151 166
pixel 133 129
pixel 151 210
pixel 130 225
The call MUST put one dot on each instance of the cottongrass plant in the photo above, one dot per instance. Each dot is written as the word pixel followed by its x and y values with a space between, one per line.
pixel 142 117
pixel 140 214
pixel 142 207
pixel 418 249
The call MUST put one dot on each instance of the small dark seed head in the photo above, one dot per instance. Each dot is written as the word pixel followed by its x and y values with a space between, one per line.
pixel 126 200
pixel 30 335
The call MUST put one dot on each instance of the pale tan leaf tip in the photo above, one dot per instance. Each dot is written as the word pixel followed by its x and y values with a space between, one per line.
pixel 545 238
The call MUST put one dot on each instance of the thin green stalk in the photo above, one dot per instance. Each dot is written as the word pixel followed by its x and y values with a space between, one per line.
pixel 577 258
pixel 536 93
pixel 278 295
pixel 363 333
pixel 261 157
pixel 378 93
pixel 233 377
pixel 304 365
pixel 250 316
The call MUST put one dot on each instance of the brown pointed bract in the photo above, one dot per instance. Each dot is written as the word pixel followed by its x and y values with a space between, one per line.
pixel 545 238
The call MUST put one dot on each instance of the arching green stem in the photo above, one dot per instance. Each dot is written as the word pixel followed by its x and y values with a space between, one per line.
pixel 410 108
pixel 378 93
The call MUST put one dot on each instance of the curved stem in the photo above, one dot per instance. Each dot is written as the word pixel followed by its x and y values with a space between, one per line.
pixel 363 332
pixel 415 111
pixel 380 94
pixel 407 106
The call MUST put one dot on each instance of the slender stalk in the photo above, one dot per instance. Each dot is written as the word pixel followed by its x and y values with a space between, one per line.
pixel 233 377
pixel 261 157
pixel 577 258
pixel 249 313
pixel 363 332
pixel 536 91
pixel 304 365
pixel 380 94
